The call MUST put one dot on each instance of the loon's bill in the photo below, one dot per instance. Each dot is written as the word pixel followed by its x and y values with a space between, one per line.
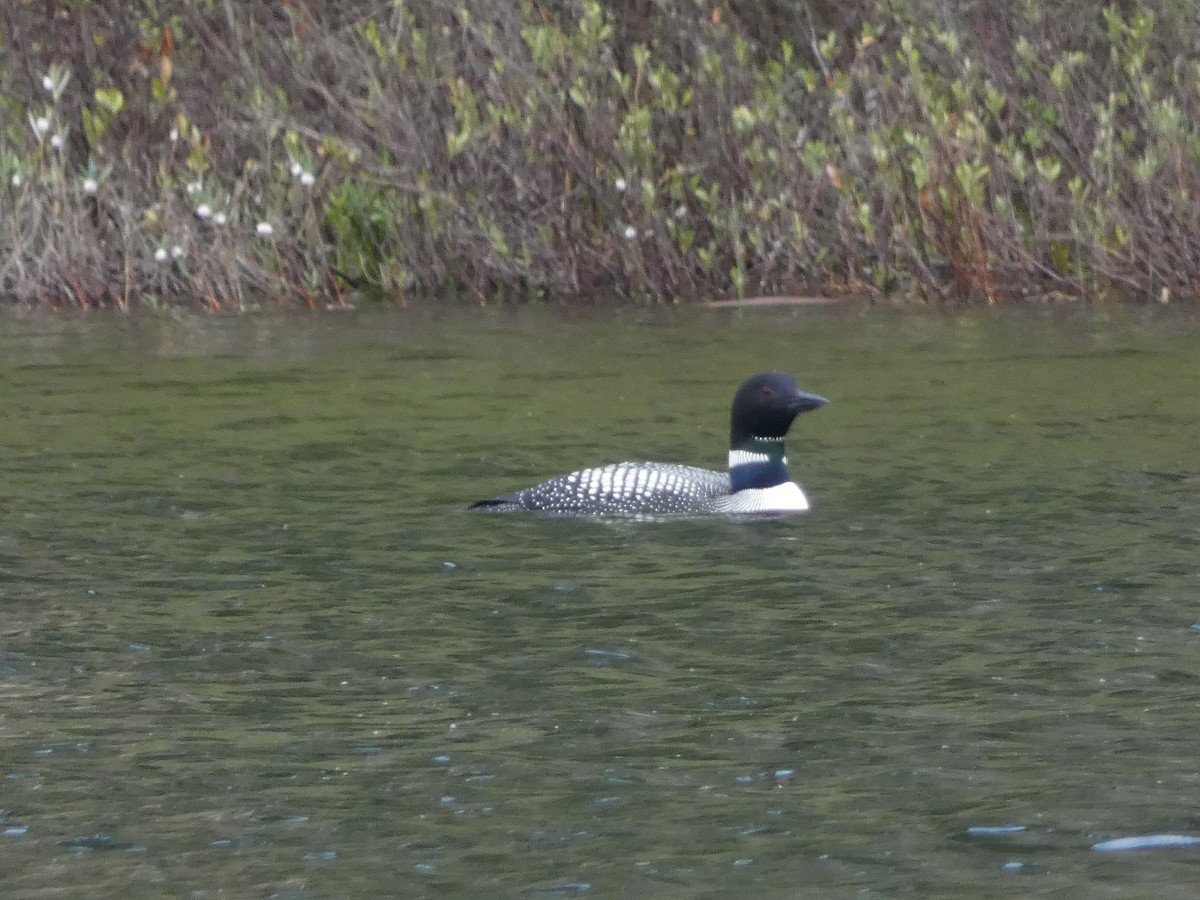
pixel 756 483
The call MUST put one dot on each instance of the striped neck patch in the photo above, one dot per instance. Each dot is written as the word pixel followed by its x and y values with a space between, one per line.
pixel 751 457
pixel 757 464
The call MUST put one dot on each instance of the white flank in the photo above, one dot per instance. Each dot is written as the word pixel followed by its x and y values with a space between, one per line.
pixel 782 498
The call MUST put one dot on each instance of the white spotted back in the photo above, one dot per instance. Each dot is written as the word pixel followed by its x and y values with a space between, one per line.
pixel 630 489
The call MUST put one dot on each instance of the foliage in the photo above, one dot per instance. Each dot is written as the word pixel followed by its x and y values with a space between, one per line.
pixel 183 151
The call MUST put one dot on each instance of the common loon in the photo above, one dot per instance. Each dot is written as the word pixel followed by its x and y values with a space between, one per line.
pixel 764 408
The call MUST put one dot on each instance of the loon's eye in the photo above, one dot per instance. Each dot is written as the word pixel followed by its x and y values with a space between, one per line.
pixel 765 391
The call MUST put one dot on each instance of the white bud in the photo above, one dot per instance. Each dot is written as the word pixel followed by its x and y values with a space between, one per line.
pixel 620 185
pixel 16 179
pixel 174 135
pixel 176 252
pixel 90 186
pixel 297 169
pixel 630 233
pixel 203 211
pixel 160 255
pixel 264 229
pixel 48 84
pixel 306 179
pixel 41 124
pixel 219 218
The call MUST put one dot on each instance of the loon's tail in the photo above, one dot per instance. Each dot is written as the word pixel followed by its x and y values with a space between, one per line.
pixel 494 504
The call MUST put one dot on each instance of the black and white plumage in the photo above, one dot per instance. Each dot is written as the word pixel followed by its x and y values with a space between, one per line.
pixel 757 482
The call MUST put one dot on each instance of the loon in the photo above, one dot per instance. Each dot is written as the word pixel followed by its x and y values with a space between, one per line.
pixel 757 482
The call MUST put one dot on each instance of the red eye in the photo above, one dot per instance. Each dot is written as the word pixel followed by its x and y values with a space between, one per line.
pixel 764 391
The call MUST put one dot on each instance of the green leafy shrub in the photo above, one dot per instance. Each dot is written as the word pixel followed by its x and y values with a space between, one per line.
pixel 233 155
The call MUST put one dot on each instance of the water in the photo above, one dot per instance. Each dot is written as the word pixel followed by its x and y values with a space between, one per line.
pixel 252 646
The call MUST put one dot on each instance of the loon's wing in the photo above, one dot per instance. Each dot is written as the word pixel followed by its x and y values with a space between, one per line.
pixel 628 488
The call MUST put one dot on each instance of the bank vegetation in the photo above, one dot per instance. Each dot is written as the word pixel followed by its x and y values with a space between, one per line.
pixel 206 152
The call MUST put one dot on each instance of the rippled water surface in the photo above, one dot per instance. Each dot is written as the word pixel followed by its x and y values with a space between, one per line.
pixel 253 647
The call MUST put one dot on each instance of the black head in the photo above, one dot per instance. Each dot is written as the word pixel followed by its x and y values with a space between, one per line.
pixel 765 406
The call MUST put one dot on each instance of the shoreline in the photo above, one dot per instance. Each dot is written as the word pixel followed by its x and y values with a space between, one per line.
pixel 499 154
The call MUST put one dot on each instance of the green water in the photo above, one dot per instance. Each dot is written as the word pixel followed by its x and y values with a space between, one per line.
pixel 252 646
